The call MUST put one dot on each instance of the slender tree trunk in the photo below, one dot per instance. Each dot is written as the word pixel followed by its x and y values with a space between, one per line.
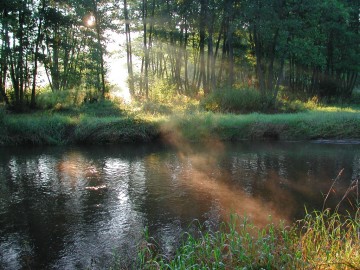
pixel 270 73
pixel 186 82
pixel 100 48
pixel 202 24
pixel 36 55
pixel 146 53
pixel 129 51
pixel 259 61
pixel 4 56
pixel 211 60
pixel 229 42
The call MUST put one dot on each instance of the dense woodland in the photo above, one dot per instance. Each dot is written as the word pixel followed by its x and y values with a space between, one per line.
pixel 310 48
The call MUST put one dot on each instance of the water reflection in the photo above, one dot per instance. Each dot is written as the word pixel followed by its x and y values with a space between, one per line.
pixel 73 207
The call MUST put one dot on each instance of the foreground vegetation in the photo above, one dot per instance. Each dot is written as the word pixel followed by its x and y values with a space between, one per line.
pixel 322 240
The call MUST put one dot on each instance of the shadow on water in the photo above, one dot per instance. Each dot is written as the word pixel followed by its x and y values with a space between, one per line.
pixel 74 207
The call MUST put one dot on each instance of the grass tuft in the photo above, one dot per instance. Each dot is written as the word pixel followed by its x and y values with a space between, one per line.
pixel 322 240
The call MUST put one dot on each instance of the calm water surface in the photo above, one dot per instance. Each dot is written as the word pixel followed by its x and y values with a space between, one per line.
pixel 74 207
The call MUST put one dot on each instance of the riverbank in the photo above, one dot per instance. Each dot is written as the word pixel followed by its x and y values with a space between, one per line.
pixel 62 129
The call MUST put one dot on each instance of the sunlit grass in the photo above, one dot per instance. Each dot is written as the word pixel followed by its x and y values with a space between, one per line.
pixel 306 125
pixel 322 240
pixel 349 109
pixel 179 117
pixel 330 241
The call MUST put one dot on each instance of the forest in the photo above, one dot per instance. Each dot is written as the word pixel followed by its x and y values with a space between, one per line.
pixel 201 74
pixel 195 48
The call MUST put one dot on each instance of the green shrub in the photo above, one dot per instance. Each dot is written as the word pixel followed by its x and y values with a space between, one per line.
pixel 60 100
pixel 101 108
pixel 236 101
pixel 162 90
pixel 154 107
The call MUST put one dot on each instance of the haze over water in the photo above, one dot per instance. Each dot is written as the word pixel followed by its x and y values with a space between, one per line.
pixel 74 207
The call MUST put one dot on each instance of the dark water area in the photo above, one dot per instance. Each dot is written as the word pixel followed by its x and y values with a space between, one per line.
pixel 75 207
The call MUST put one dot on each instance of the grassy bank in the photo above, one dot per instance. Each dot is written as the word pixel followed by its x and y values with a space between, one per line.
pixel 322 240
pixel 112 122
pixel 57 128
pixel 297 126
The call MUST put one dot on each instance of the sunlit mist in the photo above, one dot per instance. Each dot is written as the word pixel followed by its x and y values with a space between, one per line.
pixel 117 72
pixel 203 174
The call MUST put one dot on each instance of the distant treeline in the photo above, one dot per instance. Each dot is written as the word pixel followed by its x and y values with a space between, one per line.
pixel 307 47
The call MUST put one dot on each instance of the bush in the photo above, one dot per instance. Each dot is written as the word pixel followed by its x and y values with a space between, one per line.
pixel 236 101
pixel 162 90
pixel 60 100
pixel 102 108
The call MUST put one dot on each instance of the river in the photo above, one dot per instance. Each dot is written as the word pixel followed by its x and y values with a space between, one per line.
pixel 80 207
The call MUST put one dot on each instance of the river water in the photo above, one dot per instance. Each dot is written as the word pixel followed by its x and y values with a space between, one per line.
pixel 75 207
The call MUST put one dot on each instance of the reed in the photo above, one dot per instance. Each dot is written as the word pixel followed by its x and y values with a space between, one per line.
pixel 323 239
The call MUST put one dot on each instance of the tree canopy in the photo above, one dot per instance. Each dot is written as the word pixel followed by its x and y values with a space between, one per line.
pixel 307 47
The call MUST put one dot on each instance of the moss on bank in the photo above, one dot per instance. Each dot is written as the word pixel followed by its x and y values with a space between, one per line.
pixel 59 129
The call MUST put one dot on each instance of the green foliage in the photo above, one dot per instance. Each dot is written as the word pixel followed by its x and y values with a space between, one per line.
pixel 61 100
pixel 153 107
pixel 102 108
pixel 236 101
pixel 162 90
pixel 110 122
pixel 79 101
pixel 329 240
pixel 331 124
pixel 45 129
pixel 114 130
pixel 322 240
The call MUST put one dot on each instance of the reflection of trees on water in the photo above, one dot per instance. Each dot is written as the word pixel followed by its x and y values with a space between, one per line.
pixel 46 199
pixel 61 206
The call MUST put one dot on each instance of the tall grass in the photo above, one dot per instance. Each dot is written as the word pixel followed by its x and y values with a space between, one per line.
pixel 322 240
pixel 329 240
pixel 106 121
pixel 236 101
pixel 96 130
pixel 26 129
pixel 107 127
pixel 299 126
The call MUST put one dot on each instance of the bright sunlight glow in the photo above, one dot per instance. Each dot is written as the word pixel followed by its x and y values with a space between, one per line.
pixel 117 69
pixel 90 20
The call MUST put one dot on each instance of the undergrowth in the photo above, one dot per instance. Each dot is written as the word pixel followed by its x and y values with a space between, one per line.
pixel 323 239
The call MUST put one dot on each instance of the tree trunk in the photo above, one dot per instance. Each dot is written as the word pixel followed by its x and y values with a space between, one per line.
pixel 36 55
pixel 129 51
pixel 202 24
pixel 101 51
pixel 145 48
pixel 3 60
